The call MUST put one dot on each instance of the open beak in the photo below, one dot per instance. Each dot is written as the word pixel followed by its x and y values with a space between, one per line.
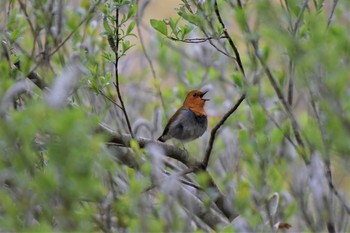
pixel 203 93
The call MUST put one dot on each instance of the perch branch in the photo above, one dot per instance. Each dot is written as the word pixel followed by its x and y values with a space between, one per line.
pixel 170 150
pixel 175 153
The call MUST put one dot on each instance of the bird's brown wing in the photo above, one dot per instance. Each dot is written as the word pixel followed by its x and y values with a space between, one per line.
pixel 163 137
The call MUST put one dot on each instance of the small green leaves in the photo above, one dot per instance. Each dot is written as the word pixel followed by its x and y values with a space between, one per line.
pixel 132 11
pixel 191 18
pixel 126 45
pixel 186 29
pixel 131 27
pixel 238 79
pixel 106 26
pixel 160 26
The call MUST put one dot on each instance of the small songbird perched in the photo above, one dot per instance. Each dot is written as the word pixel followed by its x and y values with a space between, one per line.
pixel 190 121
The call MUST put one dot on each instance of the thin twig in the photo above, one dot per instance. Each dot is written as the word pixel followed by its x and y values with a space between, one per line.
pixel 173 176
pixel 274 83
pixel 279 127
pixel 110 99
pixel 116 84
pixel 195 40
pixel 300 16
pixel 277 89
pixel 157 84
pixel 290 81
pixel 335 3
pixel 92 9
pixel 291 61
pixel 23 8
pixel 232 44
pixel 36 79
pixel 216 128
pixel 327 161
pixel 213 133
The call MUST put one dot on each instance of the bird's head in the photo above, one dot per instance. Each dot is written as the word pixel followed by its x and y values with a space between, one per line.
pixel 195 101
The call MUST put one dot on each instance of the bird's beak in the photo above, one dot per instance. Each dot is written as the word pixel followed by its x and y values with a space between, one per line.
pixel 203 93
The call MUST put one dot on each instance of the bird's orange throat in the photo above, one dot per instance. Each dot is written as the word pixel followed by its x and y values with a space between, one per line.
pixel 199 111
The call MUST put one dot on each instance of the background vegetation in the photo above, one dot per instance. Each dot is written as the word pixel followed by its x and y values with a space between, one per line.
pixel 86 87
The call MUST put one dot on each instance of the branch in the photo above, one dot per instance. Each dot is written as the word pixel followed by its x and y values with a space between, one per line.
pixel 195 40
pixel 232 44
pixel 216 128
pixel 177 154
pixel 335 3
pixel 91 10
pixel 116 84
pixel 36 79
pixel 170 150
pixel 158 89
pixel 291 61
pixel 277 89
pixel 109 98
pixel 327 161
pixel 195 206
pixel 213 133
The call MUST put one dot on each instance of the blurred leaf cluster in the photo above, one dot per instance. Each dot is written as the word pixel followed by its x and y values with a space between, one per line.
pixel 59 172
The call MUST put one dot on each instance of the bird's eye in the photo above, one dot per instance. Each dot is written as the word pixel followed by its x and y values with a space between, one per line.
pixel 194 95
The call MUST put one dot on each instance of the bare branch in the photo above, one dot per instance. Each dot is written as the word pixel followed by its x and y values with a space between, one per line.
pixel 86 18
pixel 335 3
pixel 110 99
pixel 216 128
pixel 291 61
pixel 169 150
pixel 157 86
pixel 177 154
pixel 232 44
pixel 327 160
pixel 195 40
pixel 116 84
pixel 240 100
pixel 36 79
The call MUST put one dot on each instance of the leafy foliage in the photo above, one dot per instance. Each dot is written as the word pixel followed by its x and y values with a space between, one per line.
pixel 279 160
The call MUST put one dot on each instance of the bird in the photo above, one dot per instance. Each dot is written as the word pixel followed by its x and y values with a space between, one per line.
pixel 188 122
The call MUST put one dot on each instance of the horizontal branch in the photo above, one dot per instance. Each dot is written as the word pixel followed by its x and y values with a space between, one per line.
pixel 195 40
pixel 169 150
pixel 177 154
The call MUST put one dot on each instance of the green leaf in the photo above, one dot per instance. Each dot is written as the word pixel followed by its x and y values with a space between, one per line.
pixel 259 117
pixel 126 46
pixel 131 27
pixel 241 18
pixel 191 18
pixel 132 12
pixel 106 26
pixel 160 26
pixel 185 30
pixel 238 79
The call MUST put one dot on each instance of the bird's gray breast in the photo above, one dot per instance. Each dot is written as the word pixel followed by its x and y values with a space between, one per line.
pixel 188 125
